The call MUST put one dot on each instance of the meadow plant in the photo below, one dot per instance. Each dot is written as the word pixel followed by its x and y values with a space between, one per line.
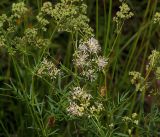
pixel 47 68
pixel 138 81
pixel 19 9
pixel 123 14
pixel 88 60
pixel 81 104
pixel 156 18
pixel 143 83
pixel 84 89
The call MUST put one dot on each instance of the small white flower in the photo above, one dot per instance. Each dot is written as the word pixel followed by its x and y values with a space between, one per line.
pixel 156 18
pixel 99 106
pixel 111 125
pixel 75 110
pixel 124 12
pixel 126 119
pixel 90 74
pixel 93 45
pixel 30 34
pixel 48 68
pixel 92 109
pixel 134 115
pixel 102 62
pixel 47 8
pixel 2 41
pixel 135 122
pixel 81 59
pixel 19 9
pixel 96 108
pixel 83 48
pixel 153 60
pixel 80 103
pixel 129 131
pixel 138 81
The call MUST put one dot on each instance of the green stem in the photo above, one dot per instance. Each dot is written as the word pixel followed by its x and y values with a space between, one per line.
pixel 108 28
pixel 97 19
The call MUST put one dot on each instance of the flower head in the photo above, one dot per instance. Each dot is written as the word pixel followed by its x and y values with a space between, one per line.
pixel 90 74
pixel 86 57
pixel 47 8
pixel 153 60
pixel 83 48
pixel 48 68
pixel 75 109
pixel 156 18
pixel 80 103
pixel 2 41
pixel 19 9
pixel 101 62
pixel 138 81
pixel 81 59
pixel 93 45
pixel 124 13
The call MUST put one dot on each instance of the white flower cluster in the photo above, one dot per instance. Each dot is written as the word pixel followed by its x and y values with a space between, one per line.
pixel 3 19
pixel 46 9
pixel 154 63
pixel 2 41
pixel 98 107
pixel 48 68
pixel 31 37
pixel 101 62
pixel 142 83
pixel 86 58
pixel 156 18
pixel 124 13
pixel 93 46
pixel 111 125
pixel 138 81
pixel 28 40
pixel 80 103
pixel 68 15
pixel 30 34
pixel 154 60
pixel 131 122
pixel 19 9
pixel 90 74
